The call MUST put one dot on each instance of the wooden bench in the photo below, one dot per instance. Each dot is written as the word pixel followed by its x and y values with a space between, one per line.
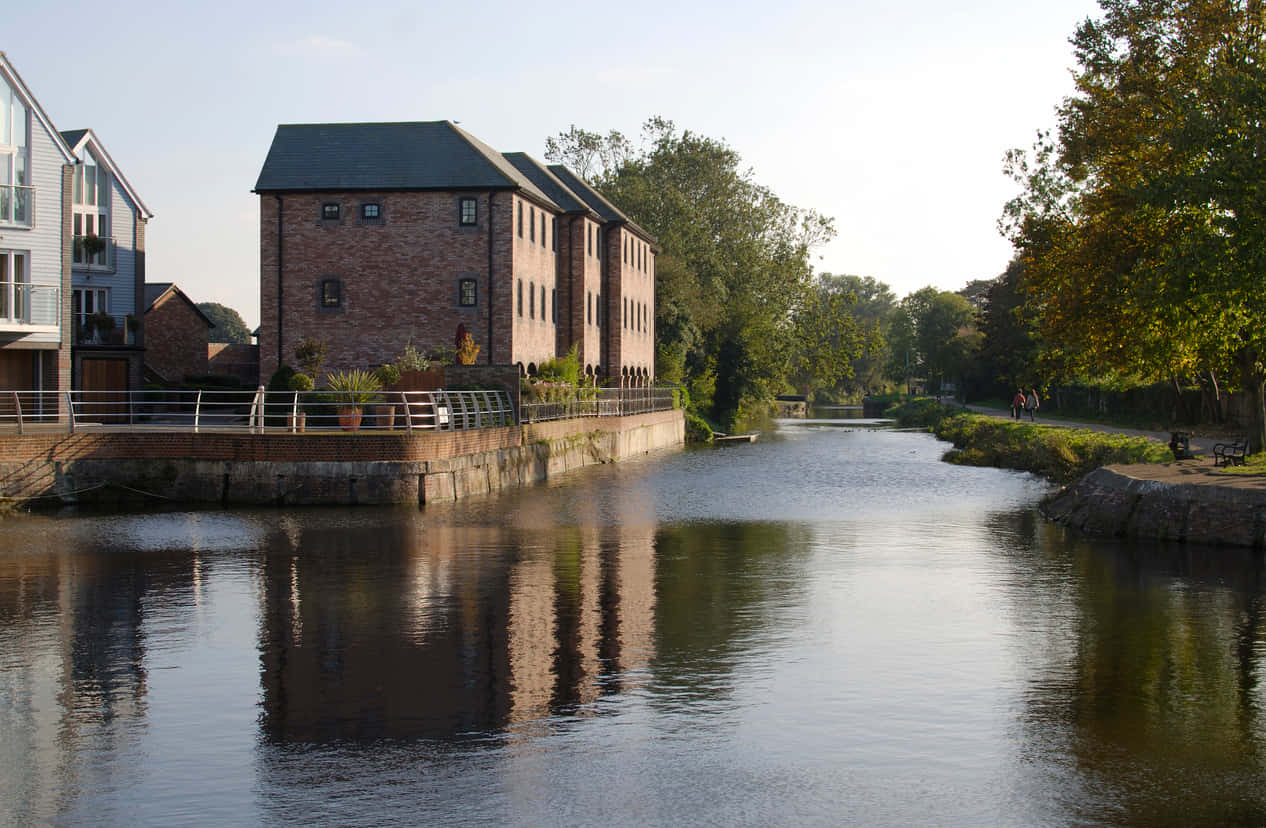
pixel 1230 454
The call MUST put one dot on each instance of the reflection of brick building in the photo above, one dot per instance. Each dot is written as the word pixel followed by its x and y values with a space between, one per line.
pixel 453 643
pixel 175 334
pixel 374 236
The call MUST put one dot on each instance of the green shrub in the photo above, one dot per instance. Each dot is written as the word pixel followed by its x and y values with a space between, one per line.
pixel 301 383
pixel 697 429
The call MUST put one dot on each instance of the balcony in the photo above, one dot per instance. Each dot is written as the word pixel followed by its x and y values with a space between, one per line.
pixel 17 206
pixel 93 253
pixel 30 308
pixel 103 328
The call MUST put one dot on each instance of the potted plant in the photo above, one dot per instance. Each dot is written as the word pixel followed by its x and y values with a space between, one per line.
pixel 388 375
pixel 133 325
pixel 297 419
pixel 351 392
pixel 467 351
pixel 99 325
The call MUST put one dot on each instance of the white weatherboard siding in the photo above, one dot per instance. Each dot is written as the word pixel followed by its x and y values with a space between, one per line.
pixel 43 242
pixel 123 229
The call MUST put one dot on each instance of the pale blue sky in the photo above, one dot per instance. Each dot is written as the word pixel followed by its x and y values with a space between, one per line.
pixel 891 119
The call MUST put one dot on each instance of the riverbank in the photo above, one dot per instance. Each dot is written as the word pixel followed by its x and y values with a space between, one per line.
pixel 1059 453
pixel 328 468
pixel 1187 501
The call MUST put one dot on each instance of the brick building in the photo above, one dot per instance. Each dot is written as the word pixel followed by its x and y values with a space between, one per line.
pixel 376 236
pixel 176 334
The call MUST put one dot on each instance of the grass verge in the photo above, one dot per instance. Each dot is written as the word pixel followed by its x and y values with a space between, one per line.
pixel 1059 454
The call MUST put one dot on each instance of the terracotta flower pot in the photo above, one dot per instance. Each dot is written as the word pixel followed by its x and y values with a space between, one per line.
pixel 349 419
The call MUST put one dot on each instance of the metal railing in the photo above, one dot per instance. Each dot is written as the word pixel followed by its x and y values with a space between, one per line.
pixel 261 411
pixel 595 402
pixel 95 253
pixel 258 411
pixel 17 205
pixel 30 303
pixel 93 329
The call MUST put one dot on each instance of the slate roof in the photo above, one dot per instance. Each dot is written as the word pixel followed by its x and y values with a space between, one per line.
pixel 595 200
pixel 426 155
pixel 548 183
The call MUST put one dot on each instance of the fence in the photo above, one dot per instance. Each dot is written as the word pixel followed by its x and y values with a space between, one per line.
pixel 257 411
pixel 597 402
pixel 263 411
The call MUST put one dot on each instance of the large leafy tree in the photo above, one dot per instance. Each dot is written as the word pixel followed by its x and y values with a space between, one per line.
pixel 933 335
pixel 734 266
pixel 229 326
pixel 1141 227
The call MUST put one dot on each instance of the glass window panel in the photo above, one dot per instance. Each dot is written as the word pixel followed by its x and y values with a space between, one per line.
pixel 5 109
pixel 20 117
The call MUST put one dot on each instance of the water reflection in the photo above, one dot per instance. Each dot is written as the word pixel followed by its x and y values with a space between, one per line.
pixel 830 627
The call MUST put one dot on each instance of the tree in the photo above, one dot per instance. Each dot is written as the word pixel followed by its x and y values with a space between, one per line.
pixel 1140 226
pixel 734 262
pixel 933 334
pixel 828 338
pixel 868 311
pixel 229 326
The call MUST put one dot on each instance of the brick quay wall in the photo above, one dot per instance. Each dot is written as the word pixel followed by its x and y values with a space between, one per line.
pixel 316 468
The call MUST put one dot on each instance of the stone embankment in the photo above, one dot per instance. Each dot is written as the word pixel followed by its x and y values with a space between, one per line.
pixel 1189 501
pixel 316 468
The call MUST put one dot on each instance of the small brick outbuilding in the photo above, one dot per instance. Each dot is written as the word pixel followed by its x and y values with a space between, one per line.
pixel 176 334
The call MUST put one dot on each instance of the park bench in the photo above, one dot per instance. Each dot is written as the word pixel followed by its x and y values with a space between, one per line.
pixel 1230 454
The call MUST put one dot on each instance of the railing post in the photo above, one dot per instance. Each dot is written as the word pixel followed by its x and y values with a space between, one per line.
pixel 197 411
pixel 70 412
pixel 294 414
pixel 408 415
pixel 17 404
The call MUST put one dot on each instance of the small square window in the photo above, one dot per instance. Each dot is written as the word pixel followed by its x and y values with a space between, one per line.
pixel 330 211
pixel 370 212
pixel 469 213
pixel 467 293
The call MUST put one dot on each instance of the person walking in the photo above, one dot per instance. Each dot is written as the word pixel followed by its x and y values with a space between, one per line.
pixel 1031 403
pixel 1017 405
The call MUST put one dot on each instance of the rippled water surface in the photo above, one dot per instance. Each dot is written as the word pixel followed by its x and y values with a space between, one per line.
pixel 826 627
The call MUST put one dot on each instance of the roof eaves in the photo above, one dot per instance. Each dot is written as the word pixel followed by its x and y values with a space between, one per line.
pixel 7 68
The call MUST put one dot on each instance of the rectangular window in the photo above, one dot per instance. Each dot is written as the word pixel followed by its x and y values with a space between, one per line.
pixel 555 242
pixel 588 308
pixel 597 237
pixel 370 212
pixel 329 211
pixel 469 213
pixel 542 303
pixel 543 228
pixel 520 288
pixel 331 293
pixel 589 236
pixel 532 224
pixel 553 305
pixel 467 293
pixel 520 222
pixel 532 293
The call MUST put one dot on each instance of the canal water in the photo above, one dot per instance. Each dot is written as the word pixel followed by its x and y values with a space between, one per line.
pixel 826 627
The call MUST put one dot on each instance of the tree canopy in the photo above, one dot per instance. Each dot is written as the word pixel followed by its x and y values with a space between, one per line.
pixel 1140 226
pixel 734 266
pixel 229 326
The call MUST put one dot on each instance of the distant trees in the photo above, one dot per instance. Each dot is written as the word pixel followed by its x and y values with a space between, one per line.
pixel 733 275
pixel 933 335
pixel 229 326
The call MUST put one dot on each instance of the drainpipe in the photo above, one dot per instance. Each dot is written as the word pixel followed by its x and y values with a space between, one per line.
pixel 491 193
pixel 280 287
pixel 604 287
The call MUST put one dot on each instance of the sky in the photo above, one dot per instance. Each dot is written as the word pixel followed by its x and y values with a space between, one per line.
pixel 890 118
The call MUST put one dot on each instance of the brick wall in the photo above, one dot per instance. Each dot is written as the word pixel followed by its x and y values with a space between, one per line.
pixel 397 278
pixel 235 360
pixel 175 340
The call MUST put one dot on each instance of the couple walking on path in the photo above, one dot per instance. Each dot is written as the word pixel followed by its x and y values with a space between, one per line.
pixel 1022 403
